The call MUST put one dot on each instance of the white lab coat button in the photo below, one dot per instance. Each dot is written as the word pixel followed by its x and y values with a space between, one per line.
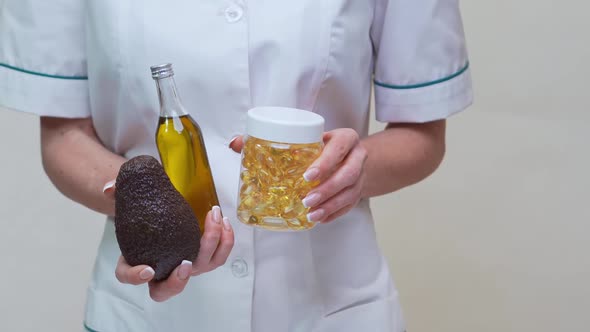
pixel 239 268
pixel 233 13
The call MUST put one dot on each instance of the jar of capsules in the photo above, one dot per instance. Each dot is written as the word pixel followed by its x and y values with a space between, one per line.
pixel 279 145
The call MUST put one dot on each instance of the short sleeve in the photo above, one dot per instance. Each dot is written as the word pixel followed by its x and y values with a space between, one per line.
pixel 421 66
pixel 43 57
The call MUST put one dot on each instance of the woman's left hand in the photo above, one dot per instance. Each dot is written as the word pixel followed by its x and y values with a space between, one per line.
pixel 340 170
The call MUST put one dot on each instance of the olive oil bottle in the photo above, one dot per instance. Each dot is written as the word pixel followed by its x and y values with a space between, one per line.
pixel 182 148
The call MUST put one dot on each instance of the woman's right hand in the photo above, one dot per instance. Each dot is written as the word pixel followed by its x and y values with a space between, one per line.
pixel 216 243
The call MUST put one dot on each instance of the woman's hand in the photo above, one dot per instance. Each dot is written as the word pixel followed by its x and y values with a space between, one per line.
pixel 340 170
pixel 216 244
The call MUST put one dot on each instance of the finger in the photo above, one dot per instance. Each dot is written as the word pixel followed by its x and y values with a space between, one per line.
pixel 346 176
pixel 338 143
pixel 134 275
pixel 109 189
pixel 237 143
pixel 349 196
pixel 209 240
pixel 337 214
pixel 226 243
pixel 163 290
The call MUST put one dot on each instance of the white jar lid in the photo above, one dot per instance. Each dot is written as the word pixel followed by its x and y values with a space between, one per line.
pixel 285 125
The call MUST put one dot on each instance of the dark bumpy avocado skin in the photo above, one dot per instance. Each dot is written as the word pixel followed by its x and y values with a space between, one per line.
pixel 154 223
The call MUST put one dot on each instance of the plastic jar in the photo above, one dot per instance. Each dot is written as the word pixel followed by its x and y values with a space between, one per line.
pixel 279 145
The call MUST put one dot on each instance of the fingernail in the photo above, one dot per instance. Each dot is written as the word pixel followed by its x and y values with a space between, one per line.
pixel 147 273
pixel 232 140
pixel 217 214
pixel 311 200
pixel 316 215
pixel 226 224
pixel 311 174
pixel 186 267
pixel 108 185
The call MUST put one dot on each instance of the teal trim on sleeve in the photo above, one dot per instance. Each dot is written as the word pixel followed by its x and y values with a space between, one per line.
pixel 89 329
pixel 422 85
pixel 42 74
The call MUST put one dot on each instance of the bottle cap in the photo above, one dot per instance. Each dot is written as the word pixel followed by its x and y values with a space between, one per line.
pixel 285 125
pixel 162 71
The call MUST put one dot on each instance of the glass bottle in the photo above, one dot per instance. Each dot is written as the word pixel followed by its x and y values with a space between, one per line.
pixel 181 147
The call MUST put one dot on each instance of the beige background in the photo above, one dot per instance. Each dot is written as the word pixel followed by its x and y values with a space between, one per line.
pixel 496 240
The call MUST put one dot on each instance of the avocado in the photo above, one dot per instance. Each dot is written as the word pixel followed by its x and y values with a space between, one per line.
pixel 154 224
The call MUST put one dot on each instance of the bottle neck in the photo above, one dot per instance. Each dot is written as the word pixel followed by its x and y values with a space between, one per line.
pixel 170 104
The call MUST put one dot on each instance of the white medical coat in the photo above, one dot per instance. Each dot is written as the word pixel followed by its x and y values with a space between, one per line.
pixel 68 58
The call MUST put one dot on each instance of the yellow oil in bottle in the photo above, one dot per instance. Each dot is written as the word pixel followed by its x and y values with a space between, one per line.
pixel 272 184
pixel 184 158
